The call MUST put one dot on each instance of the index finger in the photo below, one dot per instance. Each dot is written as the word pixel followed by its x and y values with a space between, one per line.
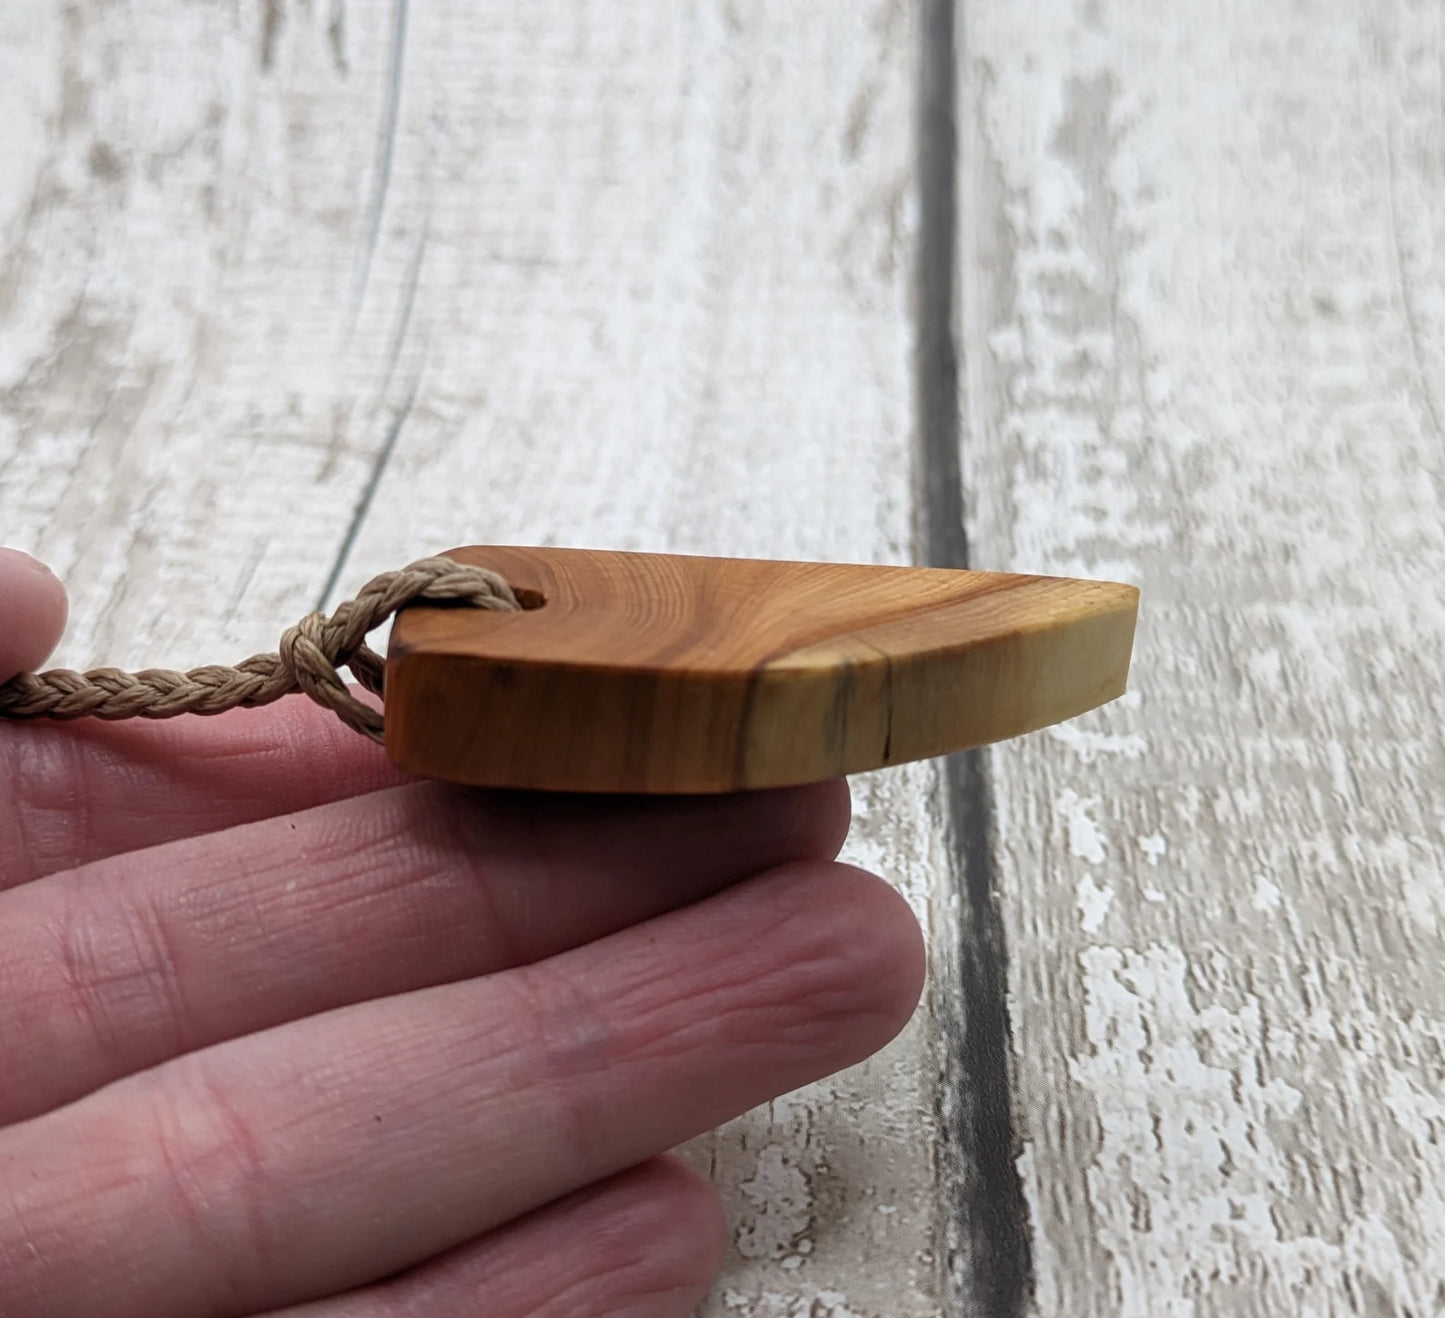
pixel 81 791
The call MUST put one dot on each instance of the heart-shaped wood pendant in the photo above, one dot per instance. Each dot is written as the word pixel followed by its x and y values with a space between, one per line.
pixel 664 673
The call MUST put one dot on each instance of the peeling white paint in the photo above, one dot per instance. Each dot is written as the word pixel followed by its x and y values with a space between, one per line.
pixel 1200 251
pixel 1093 903
pixel 1090 745
pixel 780 1206
pixel 1086 840
pixel 1267 895
pixel 1154 847
pixel 774 1304
pixel 1186 1171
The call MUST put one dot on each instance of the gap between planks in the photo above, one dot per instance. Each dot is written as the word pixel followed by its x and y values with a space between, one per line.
pixel 987 1265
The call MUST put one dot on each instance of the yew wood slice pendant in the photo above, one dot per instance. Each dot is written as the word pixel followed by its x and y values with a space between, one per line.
pixel 663 673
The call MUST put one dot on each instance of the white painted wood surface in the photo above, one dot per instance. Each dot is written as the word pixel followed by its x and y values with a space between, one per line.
pixel 1202 308
pixel 542 274
pixel 548 275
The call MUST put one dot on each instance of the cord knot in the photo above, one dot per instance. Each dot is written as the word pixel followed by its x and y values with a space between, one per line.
pixel 309 659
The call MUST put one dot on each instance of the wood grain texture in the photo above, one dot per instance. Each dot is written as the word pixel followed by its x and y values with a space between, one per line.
pixel 1203 327
pixel 456 273
pixel 684 673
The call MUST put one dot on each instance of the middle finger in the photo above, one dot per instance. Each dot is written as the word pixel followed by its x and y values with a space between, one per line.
pixel 119 965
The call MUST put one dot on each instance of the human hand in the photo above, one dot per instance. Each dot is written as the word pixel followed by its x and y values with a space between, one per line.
pixel 279 1028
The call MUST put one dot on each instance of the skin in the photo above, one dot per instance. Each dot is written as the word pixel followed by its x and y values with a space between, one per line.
pixel 282 1032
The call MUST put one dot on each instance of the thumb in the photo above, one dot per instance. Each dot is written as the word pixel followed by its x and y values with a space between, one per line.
pixel 32 612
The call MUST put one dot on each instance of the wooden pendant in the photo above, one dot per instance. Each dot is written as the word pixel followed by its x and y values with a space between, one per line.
pixel 663 673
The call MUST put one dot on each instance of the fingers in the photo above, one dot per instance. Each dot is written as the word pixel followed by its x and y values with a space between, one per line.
pixel 32 613
pixel 325 1154
pixel 120 965
pixel 78 792
pixel 644 1244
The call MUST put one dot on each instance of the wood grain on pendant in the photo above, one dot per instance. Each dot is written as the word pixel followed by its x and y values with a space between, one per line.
pixel 664 673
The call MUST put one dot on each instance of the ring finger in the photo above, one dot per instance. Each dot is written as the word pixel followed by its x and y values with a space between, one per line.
pixel 324 1154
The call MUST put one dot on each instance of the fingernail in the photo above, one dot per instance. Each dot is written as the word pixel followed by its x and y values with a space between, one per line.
pixel 19 560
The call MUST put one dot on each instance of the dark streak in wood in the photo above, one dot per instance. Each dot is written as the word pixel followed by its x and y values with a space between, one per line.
pixel 363 504
pixel 989 1268
pixel 384 454
pixel 385 148
pixel 270 33
pixel 1404 289
pixel 336 38
pixel 247 576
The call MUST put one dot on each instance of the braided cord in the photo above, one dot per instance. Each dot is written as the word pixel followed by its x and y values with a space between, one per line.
pixel 308 659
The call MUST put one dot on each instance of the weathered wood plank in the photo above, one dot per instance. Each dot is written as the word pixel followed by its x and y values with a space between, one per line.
pixel 1203 326
pixel 184 364
pixel 451 273
pixel 684 327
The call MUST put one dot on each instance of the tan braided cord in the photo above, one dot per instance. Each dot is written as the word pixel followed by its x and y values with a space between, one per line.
pixel 309 659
